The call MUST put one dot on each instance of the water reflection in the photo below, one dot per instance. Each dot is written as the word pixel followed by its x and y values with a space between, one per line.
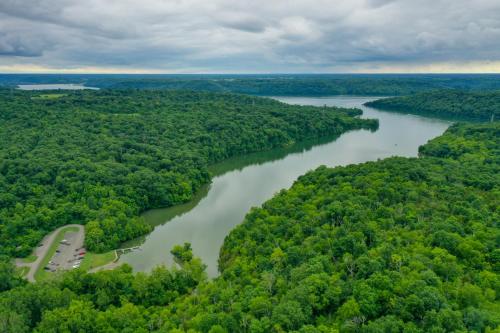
pixel 245 182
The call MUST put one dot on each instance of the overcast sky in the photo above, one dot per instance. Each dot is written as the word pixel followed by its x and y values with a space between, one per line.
pixel 252 36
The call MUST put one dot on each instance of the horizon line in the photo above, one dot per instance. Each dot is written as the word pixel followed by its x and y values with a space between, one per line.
pixel 270 73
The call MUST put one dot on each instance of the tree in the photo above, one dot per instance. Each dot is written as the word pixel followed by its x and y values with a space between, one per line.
pixel 8 276
pixel 80 316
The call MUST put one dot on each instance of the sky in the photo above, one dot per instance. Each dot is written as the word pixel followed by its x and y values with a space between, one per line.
pixel 252 36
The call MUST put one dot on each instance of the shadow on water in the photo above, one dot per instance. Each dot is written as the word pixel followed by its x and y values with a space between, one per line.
pixel 240 162
pixel 160 216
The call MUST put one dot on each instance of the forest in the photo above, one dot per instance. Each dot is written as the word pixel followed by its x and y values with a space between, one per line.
pixel 396 245
pixel 311 85
pixel 100 158
pixel 456 104
pixel 276 84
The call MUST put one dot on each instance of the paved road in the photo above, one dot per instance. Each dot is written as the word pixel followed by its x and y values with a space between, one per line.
pixel 42 250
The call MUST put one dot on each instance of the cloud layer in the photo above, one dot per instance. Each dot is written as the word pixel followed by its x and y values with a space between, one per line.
pixel 249 36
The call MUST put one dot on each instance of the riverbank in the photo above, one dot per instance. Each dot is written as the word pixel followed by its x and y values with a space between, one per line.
pixel 246 182
pixel 102 157
pixel 449 104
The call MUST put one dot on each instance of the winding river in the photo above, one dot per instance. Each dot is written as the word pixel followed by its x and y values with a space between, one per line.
pixel 245 182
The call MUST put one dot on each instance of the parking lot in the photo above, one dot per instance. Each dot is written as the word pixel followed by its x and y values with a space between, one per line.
pixel 69 253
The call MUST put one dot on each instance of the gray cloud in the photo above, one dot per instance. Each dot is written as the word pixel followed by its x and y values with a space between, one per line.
pixel 241 21
pixel 14 46
pixel 240 36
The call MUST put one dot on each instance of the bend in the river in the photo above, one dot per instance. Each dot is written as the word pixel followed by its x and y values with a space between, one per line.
pixel 245 182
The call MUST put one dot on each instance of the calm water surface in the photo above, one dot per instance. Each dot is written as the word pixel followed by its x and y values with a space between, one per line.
pixel 68 86
pixel 242 183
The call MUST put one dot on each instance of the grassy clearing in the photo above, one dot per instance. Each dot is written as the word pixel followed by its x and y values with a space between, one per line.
pixel 41 274
pixel 93 260
pixel 48 96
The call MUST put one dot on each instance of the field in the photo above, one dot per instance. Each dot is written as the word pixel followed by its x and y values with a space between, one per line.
pixel 48 96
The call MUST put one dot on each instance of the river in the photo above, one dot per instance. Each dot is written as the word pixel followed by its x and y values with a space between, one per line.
pixel 245 182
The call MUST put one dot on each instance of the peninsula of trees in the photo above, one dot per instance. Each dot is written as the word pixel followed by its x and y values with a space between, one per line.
pixel 447 103
pixel 100 158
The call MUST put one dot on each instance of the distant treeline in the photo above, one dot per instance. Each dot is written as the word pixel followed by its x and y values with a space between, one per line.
pixel 276 85
pixel 101 157
pixel 448 103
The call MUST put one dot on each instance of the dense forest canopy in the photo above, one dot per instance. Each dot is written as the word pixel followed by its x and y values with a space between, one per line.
pixel 448 103
pixel 397 245
pixel 101 157
pixel 277 84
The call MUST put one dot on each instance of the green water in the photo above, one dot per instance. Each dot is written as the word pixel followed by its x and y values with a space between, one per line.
pixel 248 181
